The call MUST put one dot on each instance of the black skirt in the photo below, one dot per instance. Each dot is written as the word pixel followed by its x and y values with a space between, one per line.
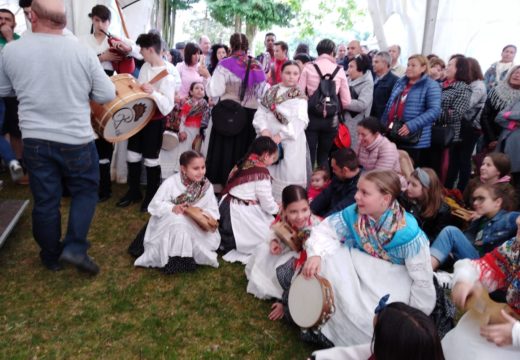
pixel 225 151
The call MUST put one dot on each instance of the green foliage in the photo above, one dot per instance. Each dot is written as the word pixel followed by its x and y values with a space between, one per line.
pixel 181 4
pixel 338 14
pixel 203 24
pixel 261 13
pixel 170 13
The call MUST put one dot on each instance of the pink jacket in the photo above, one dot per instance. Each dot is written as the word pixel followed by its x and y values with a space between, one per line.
pixel 189 74
pixel 381 154
pixel 309 79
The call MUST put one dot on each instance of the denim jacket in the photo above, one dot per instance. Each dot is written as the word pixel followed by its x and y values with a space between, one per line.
pixel 495 231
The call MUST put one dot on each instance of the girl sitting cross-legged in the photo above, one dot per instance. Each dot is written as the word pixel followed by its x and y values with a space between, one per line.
pixel 173 241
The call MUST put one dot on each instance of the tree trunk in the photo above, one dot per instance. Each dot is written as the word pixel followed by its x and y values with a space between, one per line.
pixel 251 30
pixel 172 27
pixel 159 14
pixel 238 24
pixel 167 21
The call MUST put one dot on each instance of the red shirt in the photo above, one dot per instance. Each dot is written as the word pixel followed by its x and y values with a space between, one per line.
pixel 399 104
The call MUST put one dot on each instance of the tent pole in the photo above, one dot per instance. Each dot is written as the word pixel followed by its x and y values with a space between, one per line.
pixel 373 8
pixel 125 30
pixel 432 8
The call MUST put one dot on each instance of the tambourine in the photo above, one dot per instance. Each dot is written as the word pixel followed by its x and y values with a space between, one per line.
pixel 285 233
pixel 203 220
pixel 488 311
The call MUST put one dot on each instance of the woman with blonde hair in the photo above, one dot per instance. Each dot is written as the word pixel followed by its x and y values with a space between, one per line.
pixel 369 249
pixel 413 106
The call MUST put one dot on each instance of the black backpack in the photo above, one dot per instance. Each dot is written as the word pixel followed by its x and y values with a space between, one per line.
pixel 324 102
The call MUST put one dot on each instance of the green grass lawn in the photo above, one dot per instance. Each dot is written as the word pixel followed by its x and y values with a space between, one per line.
pixel 127 312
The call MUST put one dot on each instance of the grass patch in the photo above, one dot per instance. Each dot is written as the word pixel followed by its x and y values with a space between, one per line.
pixel 127 312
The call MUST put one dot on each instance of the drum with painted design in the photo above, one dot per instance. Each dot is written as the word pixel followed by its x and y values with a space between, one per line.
pixel 127 114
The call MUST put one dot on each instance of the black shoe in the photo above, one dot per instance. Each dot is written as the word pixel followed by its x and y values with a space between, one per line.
pixel 52 265
pixel 82 262
pixel 177 264
pixel 128 200
pixel 103 197
pixel 144 207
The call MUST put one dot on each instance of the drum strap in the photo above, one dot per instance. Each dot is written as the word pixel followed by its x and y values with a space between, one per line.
pixel 158 77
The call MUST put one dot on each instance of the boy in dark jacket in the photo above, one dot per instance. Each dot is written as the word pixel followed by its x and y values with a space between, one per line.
pixel 343 187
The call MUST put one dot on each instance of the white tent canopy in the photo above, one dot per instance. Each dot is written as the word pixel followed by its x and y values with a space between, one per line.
pixel 472 27
pixel 137 14
pixel 477 28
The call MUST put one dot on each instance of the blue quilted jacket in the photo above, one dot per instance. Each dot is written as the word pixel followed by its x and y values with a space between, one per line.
pixel 422 107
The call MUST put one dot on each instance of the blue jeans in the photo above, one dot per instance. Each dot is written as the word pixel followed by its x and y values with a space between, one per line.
pixel 452 240
pixel 6 152
pixel 48 163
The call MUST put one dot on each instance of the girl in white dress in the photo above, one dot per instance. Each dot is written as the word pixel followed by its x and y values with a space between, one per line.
pixel 261 269
pixel 194 114
pixel 282 115
pixel 367 250
pixel 173 241
pixel 247 207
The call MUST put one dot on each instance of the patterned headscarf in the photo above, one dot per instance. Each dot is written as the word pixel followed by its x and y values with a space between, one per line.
pixel 271 99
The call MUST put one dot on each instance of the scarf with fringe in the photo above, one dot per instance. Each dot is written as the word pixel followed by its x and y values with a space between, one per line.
pixel 271 100
pixel 395 237
pixel 252 169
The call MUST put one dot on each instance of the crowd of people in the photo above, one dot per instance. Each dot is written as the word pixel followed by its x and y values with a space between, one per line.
pixel 392 182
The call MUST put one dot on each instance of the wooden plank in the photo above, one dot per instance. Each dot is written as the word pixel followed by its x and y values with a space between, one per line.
pixel 10 212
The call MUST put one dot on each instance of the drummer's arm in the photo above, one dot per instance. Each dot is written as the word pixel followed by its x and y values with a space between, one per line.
pixel 164 97
pixel 422 291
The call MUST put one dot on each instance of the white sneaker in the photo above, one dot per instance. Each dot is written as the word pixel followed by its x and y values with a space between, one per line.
pixel 444 279
pixel 16 170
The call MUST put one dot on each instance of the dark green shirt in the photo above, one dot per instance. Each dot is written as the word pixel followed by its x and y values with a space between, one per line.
pixel 3 41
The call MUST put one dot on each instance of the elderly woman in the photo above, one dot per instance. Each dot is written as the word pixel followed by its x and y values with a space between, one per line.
pixel 501 96
pixel 415 103
pixel 227 83
pixel 361 92
pixel 367 250
pixel 509 140
pixel 497 72
pixel 455 103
